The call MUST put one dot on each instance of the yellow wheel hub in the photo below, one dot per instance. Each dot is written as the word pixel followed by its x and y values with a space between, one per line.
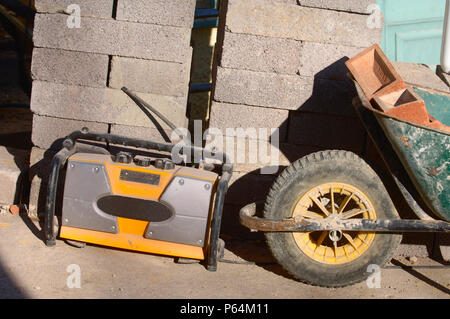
pixel 334 247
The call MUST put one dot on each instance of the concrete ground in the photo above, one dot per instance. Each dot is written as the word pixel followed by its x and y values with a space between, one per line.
pixel 28 269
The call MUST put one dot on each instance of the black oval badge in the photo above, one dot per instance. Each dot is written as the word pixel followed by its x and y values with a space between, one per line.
pixel 135 208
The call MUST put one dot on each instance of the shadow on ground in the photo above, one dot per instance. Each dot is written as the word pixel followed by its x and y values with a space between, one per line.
pixel 8 287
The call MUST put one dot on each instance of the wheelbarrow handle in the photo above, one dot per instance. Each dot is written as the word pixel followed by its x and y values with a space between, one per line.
pixel 333 222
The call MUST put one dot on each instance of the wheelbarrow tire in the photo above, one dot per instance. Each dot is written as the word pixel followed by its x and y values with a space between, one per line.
pixel 307 174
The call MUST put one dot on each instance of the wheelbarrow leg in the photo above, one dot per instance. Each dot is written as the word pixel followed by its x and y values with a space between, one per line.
pixel 443 243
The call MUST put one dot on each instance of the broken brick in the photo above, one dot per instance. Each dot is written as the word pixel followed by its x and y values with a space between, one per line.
pixel 374 73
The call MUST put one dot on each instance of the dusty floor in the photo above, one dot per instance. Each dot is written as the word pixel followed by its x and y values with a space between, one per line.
pixel 28 269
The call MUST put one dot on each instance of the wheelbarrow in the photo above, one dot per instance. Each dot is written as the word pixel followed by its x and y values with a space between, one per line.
pixel 329 217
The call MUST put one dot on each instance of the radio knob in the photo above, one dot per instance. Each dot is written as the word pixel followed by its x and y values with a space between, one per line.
pixel 143 161
pixel 124 158
pixel 168 164
pixel 159 163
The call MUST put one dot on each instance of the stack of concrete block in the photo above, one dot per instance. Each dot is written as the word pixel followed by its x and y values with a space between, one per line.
pixel 78 73
pixel 280 64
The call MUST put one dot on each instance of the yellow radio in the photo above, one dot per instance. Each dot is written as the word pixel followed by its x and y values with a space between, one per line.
pixel 141 203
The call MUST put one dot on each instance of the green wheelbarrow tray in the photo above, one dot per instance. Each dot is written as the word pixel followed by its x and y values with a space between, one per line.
pixel 422 152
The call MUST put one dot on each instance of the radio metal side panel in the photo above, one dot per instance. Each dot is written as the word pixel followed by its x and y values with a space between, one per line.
pixel 191 200
pixel 114 204
pixel 85 183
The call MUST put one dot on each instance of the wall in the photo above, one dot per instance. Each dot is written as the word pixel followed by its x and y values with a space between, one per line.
pixel 78 72
pixel 280 64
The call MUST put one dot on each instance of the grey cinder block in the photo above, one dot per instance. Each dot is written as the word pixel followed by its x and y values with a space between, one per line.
pixel 249 155
pixel 88 8
pixel 294 2
pixel 262 89
pixel 113 37
pixel 357 6
pixel 102 105
pixel 145 133
pixel 167 78
pixel 301 23
pixel 328 131
pixel 420 75
pixel 259 53
pixel 178 13
pixel 331 97
pixel 231 116
pixel 49 132
pixel 289 92
pixel 286 56
pixel 69 67
pixel 326 61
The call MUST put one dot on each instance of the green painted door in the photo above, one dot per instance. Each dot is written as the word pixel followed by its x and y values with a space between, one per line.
pixel 413 30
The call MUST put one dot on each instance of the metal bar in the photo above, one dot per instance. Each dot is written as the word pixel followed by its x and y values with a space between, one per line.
pixel 199 88
pixel 84 134
pixel 333 222
pixel 411 201
pixel 57 163
pixel 206 23
pixel 216 222
pixel 206 13
pixel 207 17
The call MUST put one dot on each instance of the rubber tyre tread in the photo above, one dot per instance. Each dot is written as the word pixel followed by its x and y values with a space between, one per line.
pixel 300 177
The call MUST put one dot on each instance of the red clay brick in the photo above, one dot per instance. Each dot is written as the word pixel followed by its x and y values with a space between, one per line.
pixel 374 73
pixel 14 210
pixel 404 104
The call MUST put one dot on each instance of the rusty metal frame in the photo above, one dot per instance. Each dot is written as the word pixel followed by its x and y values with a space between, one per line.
pixel 333 222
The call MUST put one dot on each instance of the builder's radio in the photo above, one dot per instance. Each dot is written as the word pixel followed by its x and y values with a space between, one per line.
pixel 139 203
